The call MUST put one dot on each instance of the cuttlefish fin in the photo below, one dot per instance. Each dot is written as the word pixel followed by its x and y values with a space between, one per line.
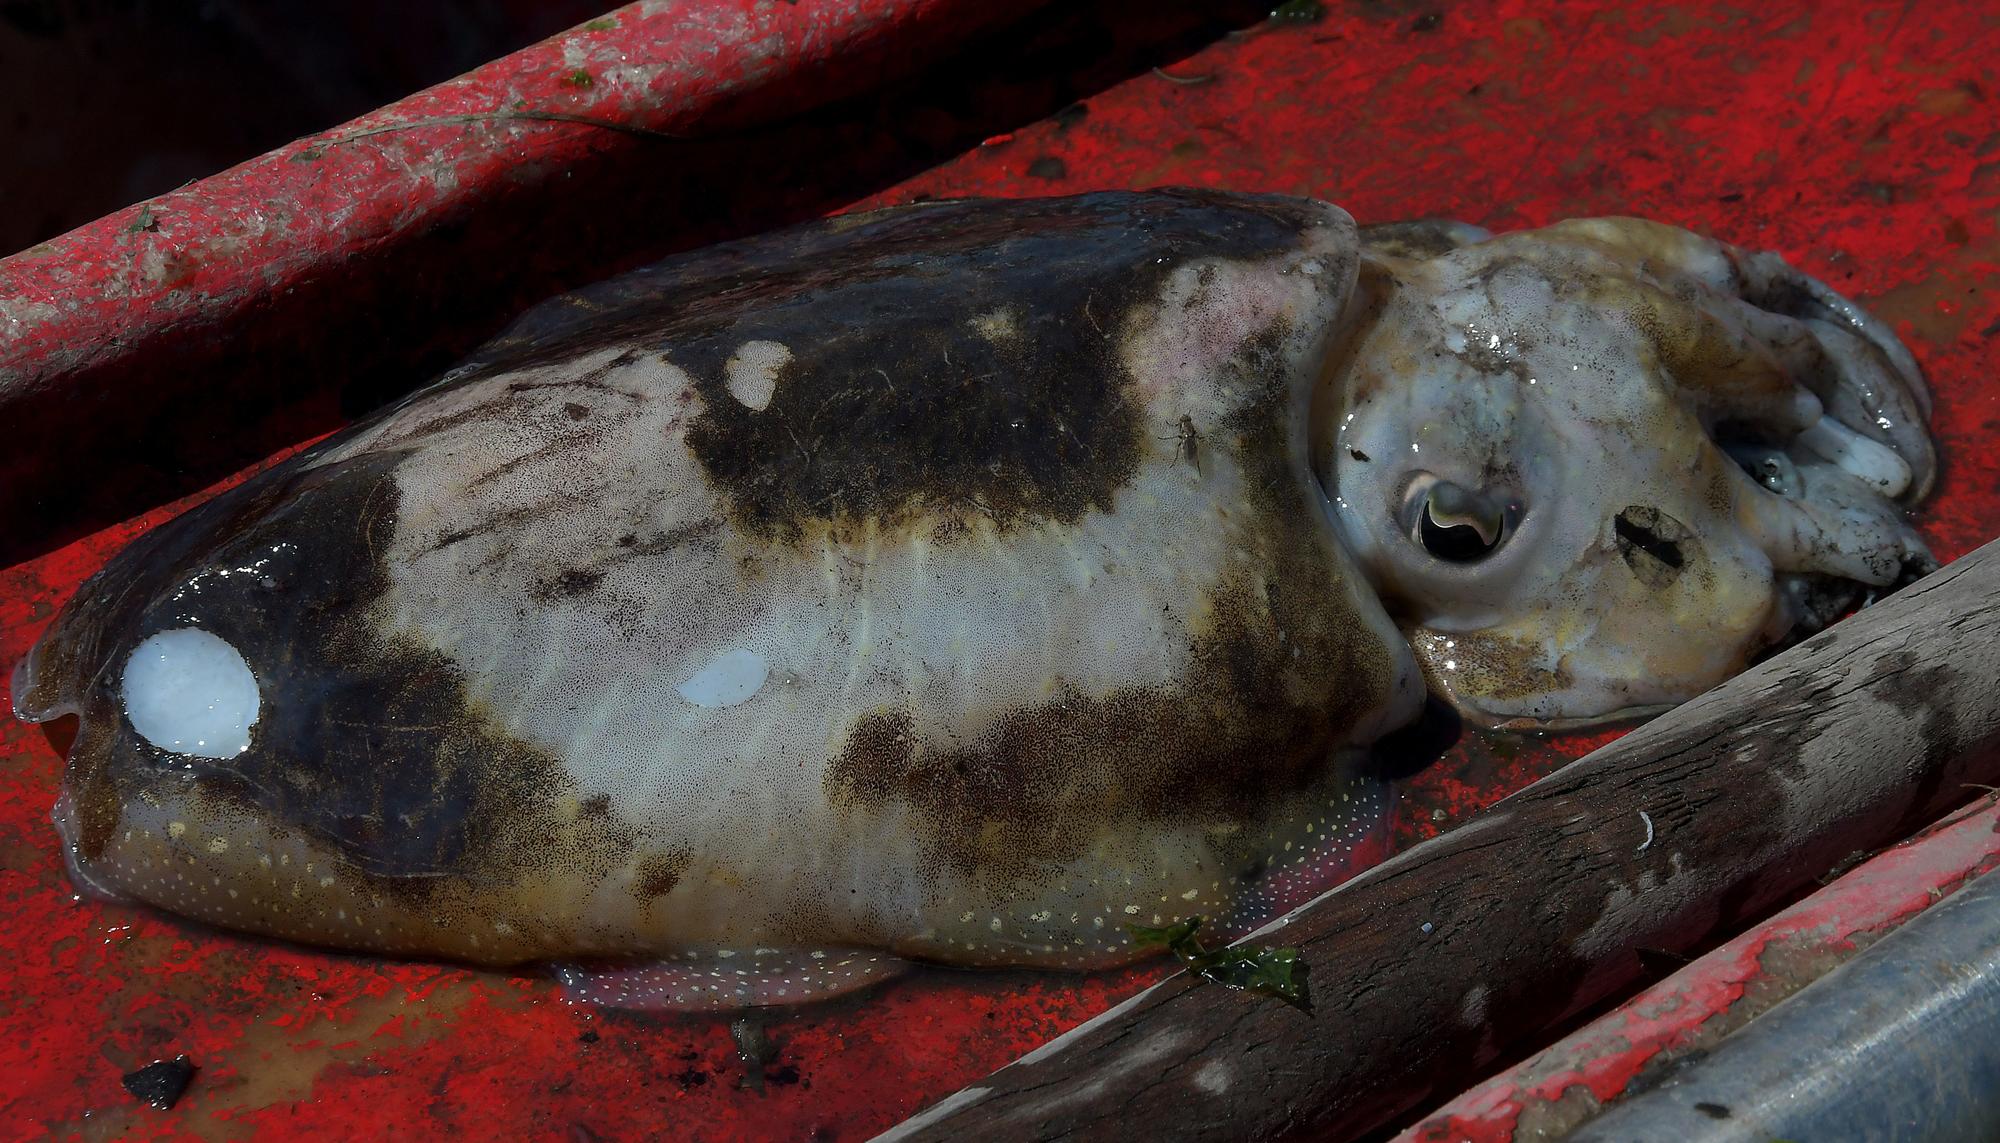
pixel 726 979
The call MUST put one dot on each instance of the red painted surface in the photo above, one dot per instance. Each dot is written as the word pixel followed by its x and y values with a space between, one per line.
pixel 1696 1006
pixel 1861 142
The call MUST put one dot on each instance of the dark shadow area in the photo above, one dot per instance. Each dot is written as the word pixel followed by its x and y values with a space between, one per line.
pixel 1409 750
pixel 61 733
pixel 107 102
pixel 373 327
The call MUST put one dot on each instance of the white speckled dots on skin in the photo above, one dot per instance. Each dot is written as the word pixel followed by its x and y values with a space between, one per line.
pixel 728 979
pixel 1317 854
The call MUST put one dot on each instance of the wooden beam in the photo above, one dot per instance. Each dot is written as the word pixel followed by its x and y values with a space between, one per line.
pixel 1428 969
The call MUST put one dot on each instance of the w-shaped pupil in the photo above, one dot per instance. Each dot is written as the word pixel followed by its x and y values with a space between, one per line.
pixel 1459 543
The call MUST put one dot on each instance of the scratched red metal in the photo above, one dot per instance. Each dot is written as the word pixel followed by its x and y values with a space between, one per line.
pixel 1859 140
pixel 1545 1095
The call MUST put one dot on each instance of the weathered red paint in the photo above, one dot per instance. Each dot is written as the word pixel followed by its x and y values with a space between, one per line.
pixel 1861 141
pixel 1549 1093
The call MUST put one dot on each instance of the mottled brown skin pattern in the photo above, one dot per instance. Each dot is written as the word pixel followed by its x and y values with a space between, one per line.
pixel 897 419
pixel 371 749
pixel 1248 726
pixel 894 409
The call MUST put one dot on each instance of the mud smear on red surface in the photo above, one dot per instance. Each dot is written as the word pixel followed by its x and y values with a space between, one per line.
pixel 1861 143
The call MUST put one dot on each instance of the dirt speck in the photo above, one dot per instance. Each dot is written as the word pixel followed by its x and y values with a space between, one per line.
pixel 161 1082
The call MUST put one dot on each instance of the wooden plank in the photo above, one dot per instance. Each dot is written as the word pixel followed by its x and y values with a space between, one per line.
pixel 1429 968
pixel 1669 1024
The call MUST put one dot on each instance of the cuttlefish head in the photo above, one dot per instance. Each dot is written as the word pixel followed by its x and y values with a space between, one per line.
pixel 1599 467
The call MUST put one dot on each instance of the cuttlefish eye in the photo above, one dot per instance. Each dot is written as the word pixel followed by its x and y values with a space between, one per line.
pixel 1453 522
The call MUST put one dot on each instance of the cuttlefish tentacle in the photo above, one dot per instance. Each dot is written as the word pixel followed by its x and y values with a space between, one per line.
pixel 1831 523
pixel 1680 455
pixel 1719 300
pixel 1768 385
pixel 1775 284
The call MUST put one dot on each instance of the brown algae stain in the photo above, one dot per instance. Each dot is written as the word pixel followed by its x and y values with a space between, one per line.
pixel 1941 307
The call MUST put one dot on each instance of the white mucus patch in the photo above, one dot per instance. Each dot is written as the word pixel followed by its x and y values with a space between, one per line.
pixel 731 678
pixel 752 372
pixel 190 692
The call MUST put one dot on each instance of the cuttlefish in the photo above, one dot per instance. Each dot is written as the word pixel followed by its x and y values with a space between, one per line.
pixel 966 582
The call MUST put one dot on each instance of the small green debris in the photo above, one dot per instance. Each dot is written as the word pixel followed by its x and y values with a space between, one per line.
pixel 1298 12
pixel 146 221
pixel 580 78
pixel 1273 972
pixel 601 24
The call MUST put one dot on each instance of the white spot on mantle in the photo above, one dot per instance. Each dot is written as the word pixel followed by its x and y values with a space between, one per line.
pixel 190 692
pixel 730 679
pixel 752 372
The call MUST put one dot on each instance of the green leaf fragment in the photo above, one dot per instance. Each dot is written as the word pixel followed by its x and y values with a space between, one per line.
pixel 601 24
pixel 1174 937
pixel 580 78
pixel 1272 972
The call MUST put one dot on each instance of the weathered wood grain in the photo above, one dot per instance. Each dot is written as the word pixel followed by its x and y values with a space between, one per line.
pixel 1430 967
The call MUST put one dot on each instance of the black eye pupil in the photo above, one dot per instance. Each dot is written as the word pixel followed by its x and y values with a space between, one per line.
pixel 1459 543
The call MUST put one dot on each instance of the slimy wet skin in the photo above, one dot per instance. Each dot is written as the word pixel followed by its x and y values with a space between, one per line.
pixel 1630 459
pixel 965 583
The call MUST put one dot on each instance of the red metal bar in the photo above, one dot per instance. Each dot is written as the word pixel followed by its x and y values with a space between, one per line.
pixel 1548 1094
